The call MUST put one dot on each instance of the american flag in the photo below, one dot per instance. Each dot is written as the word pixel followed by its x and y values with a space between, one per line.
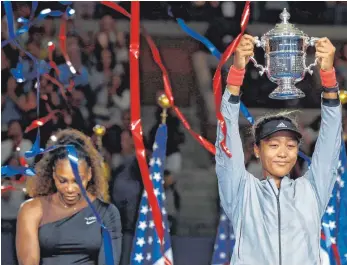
pixel 146 245
pixel 334 221
pixel 225 241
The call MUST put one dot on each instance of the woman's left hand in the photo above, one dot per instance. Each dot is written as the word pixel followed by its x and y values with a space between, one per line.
pixel 325 52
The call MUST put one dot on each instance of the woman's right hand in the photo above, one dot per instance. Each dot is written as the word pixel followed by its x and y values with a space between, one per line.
pixel 244 50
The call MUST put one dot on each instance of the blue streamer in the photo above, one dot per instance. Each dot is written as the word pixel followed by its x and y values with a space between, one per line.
pixel 9 14
pixel 214 51
pixel 9 171
pixel 246 113
pixel 22 20
pixel 34 5
pixel 65 2
pixel 69 12
pixel 44 68
pixel 35 149
pixel 200 38
pixel 18 72
pixel 305 157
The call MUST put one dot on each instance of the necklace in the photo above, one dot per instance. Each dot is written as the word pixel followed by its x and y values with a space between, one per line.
pixel 64 204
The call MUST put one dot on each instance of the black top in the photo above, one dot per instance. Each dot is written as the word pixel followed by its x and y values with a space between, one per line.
pixel 77 239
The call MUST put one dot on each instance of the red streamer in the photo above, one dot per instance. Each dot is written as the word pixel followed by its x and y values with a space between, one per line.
pixel 40 122
pixel 335 250
pixel 136 126
pixel 217 85
pixel 167 86
pixel 7 188
pixel 116 7
pixel 62 42
pixel 71 86
pixel 51 48
pixel 57 83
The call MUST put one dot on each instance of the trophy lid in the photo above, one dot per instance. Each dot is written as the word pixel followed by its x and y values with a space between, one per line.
pixel 285 28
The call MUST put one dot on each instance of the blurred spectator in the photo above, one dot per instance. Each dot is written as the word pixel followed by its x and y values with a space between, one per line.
pixel 101 75
pixel 174 140
pixel 79 73
pixel 10 203
pixel 84 9
pixel 112 139
pixel 9 106
pixel 29 67
pixel 126 148
pixel 48 34
pixel 111 101
pixel 172 201
pixel 12 149
pixel 341 66
pixel 77 115
pixel 115 37
pixel 126 190
pixel 15 145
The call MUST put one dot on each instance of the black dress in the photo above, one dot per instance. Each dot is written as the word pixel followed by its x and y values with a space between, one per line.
pixel 77 239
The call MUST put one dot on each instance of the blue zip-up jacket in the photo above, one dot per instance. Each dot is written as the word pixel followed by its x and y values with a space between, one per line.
pixel 277 226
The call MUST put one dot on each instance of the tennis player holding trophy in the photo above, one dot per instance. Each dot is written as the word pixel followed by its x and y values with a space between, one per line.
pixel 277 220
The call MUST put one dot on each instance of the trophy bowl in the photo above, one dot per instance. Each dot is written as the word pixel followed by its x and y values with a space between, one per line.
pixel 285 58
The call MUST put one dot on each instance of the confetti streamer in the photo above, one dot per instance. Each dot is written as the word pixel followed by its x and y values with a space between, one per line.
pixel 217 85
pixel 17 72
pixel 136 126
pixel 51 48
pixel 40 122
pixel 57 83
pixel 9 171
pixel 62 43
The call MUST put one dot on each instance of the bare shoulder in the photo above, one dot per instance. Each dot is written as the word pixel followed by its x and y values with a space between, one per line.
pixel 31 209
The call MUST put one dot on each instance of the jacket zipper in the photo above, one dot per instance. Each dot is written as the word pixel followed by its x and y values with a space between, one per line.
pixel 279 223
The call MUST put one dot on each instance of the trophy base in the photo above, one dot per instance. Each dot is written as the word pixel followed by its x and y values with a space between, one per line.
pixel 286 90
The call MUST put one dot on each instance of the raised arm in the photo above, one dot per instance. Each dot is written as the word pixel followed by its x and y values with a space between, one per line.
pixel 231 172
pixel 112 222
pixel 323 170
pixel 27 240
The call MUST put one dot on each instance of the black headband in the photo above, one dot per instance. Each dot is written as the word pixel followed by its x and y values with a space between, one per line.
pixel 276 125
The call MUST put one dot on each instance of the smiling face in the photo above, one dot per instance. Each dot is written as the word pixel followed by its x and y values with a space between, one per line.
pixel 64 180
pixel 278 153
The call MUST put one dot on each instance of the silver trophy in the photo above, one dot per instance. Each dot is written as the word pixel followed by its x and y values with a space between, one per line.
pixel 285 58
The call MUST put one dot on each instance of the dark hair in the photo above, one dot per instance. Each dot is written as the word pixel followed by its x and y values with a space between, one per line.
pixel 43 184
pixel 283 115
pixel 15 121
pixel 99 64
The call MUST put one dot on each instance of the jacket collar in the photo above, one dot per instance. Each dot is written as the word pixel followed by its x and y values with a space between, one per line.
pixel 285 182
